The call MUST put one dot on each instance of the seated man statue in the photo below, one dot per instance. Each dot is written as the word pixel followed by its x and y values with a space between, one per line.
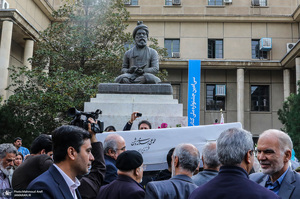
pixel 140 62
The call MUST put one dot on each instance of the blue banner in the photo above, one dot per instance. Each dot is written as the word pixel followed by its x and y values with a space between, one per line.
pixel 194 93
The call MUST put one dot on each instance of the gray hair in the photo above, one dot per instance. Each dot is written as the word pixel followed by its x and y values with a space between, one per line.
pixel 7 148
pixel 110 142
pixel 188 156
pixel 232 146
pixel 285 142
pixel 210 156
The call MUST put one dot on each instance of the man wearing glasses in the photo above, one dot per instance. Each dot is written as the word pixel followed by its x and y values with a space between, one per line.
pixel 114 145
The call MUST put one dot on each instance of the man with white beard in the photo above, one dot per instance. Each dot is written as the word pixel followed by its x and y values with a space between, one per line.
pixel 185 160
pixel 274 149
pixel 7 156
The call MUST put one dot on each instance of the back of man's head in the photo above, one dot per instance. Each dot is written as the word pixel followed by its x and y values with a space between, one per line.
pixel 232 146
pixel 210 156
pixel 130 164
pixel 110 129
pixel 188 156
pixel 67 136
pixel 41 142
pixel 169 156
pixel 6 148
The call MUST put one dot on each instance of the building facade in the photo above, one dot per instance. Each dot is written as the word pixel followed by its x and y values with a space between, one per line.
pixel 20 24
pixel 238 75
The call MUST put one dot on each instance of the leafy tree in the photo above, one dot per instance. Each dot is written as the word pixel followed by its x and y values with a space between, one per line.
pixel 83 47
pixel 289 116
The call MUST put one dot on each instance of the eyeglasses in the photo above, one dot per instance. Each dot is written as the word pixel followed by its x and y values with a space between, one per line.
pixel 122 149
pixel 144 167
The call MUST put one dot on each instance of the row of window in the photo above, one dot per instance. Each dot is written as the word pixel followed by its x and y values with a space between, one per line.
pixel 215 48
pixel 221 2
pixel 210 2
pixel 260 97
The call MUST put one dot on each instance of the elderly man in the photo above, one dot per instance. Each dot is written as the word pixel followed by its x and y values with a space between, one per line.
pixel 130 173
pixel 72 157
pixel 235 152
pixel 274 149
pixel 185 160
pixel 114 145
pixel 140 62
pixel 7 156
pixel 211 164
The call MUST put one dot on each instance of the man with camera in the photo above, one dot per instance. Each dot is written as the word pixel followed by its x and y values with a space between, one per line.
pixel 144 124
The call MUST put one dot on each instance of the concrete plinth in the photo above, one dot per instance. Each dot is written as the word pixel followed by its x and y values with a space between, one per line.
pixel 154 101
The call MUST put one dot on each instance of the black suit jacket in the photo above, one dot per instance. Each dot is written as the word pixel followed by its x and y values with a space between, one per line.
pixel 123 187
pixel 111 170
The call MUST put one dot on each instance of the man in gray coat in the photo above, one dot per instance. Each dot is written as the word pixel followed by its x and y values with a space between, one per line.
pixel 274 149
pixel 211 164
pixel 185 160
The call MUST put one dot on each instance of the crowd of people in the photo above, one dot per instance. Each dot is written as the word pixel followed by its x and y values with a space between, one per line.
pixel 72 163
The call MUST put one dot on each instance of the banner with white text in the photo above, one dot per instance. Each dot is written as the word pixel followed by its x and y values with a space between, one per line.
pixel 154 144
pixel 194 93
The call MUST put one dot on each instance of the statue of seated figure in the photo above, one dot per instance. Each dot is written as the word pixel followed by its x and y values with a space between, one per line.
pixel 140 63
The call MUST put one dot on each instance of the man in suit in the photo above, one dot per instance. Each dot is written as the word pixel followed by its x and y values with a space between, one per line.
pixel 114 145
pixel 72 157
pixel 185 160
pixel 235 152
pixel 130 173
pixel 274 149
pixel 211 164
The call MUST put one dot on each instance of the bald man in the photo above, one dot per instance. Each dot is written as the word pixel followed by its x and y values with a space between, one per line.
pixel 114 145
pixel 274 151
pixel 185 160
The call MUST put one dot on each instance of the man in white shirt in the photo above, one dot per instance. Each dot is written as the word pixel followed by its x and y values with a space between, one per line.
pixel 72 157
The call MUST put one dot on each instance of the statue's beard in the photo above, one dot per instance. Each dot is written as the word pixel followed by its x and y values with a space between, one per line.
pixel 141 43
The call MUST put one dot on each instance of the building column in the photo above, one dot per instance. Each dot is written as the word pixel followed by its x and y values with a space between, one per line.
pixel 240 95
pixel 28 52
pixel 5 46
pixel 297 72
pixel 286 83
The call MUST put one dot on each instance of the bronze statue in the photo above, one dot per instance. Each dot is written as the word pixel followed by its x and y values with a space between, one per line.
pixel 140 63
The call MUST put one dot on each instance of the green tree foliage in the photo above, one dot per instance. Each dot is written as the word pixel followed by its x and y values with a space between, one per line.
pixel 82 48
pixel 289 116
pixel 91 37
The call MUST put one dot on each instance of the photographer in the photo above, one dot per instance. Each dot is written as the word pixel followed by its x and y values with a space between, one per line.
pixel 91 183
pixel 144 124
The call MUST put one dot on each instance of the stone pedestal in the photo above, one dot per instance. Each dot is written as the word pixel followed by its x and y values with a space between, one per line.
pixel 154 101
